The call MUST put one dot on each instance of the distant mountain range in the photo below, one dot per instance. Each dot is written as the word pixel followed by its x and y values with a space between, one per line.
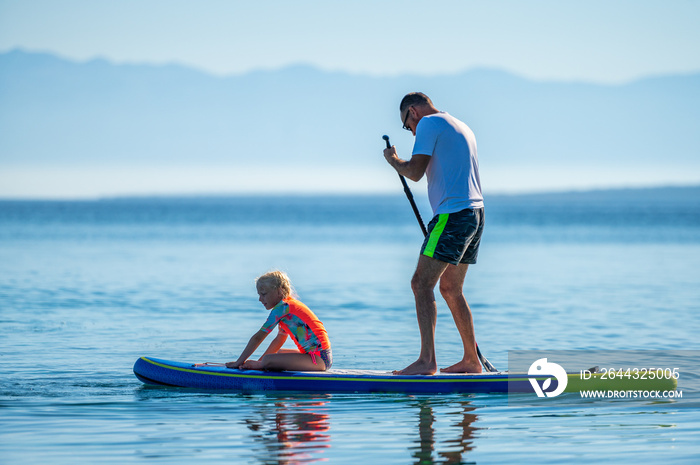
pixel 55 112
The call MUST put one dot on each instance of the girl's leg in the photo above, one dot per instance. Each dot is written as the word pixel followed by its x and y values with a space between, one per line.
pixel 258 364
pixel 292 362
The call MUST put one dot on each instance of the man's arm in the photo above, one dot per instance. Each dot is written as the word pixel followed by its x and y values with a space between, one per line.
pixel 413 169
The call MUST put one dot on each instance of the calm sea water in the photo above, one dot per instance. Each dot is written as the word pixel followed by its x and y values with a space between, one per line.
pixel 88 287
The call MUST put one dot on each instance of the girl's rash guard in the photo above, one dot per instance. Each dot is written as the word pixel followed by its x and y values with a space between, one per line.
pixel 300 323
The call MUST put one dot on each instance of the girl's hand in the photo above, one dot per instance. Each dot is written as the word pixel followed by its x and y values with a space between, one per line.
pixel 235 364
pixel 252 365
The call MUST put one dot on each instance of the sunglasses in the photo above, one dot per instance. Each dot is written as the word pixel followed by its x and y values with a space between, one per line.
pixel 405 120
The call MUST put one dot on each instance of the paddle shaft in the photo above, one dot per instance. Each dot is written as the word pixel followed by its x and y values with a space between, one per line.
pixel 489 367
pixel 409 195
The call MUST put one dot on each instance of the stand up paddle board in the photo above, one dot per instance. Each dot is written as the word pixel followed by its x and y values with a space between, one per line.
pixel 154 371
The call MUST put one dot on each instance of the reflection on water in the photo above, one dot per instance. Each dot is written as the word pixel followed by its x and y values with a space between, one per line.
pixel 451 450
pixel 294 430
pixel 290 430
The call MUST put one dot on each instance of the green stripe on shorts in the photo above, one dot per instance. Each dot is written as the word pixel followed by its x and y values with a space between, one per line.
pixel 435 234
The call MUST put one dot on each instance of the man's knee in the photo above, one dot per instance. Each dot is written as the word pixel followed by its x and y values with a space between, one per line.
pixel 427 274
pixel 450 290
pixel 420 285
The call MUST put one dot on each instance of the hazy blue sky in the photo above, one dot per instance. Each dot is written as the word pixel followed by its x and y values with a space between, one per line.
pixel 595 41
pixel 602 41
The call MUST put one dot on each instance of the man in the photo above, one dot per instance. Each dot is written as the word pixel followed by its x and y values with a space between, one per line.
pixel 445 151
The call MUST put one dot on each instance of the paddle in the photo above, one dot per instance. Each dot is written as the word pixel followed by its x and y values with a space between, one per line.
pixel 489 367
pixel 409 194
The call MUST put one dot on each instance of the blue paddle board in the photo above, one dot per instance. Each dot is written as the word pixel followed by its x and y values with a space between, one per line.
pixel 155 371
pixel 168 373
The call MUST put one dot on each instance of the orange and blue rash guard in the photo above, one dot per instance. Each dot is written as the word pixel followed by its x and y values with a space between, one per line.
pixel 300 323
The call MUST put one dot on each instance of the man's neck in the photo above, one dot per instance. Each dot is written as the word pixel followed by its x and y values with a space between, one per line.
pixel 426 110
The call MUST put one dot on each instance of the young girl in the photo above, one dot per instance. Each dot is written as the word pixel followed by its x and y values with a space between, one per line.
pixel 294 319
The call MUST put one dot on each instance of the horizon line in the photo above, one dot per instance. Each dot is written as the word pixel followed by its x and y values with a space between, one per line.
pixel 358 193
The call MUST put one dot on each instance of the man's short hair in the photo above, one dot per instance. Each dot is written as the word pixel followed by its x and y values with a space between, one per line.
pixel 414 99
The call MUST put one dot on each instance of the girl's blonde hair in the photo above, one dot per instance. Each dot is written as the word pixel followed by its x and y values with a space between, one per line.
pixel 277 280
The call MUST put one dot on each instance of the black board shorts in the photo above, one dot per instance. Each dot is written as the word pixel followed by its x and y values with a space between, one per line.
pixel 455 237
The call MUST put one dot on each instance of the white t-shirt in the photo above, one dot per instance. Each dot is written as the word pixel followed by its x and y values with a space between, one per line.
pixel 453 171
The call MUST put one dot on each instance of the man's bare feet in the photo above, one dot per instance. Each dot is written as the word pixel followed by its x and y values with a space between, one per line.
pixel 463 367
pixel 418 368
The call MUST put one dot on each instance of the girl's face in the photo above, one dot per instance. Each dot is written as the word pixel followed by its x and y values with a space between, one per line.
pixel 269 295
